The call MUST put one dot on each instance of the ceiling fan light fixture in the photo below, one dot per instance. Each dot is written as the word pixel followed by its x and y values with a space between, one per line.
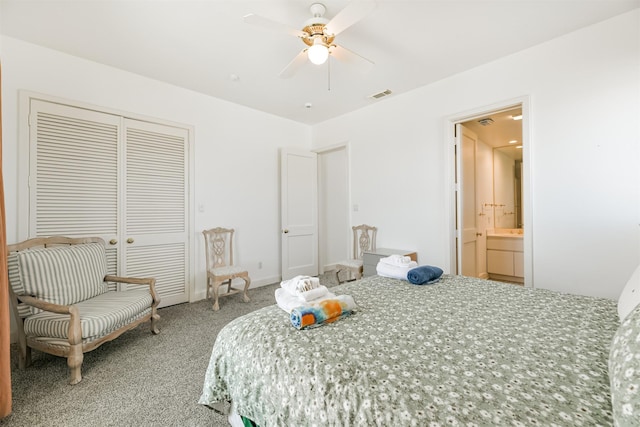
pixel 319 33
pixel 318 53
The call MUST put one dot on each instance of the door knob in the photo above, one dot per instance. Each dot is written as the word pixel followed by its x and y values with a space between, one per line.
pixel 285 231
pixel 478 234
pixel 113 241
pixel 130 240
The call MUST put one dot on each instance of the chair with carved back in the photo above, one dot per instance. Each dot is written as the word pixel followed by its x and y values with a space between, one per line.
pixel 364 239
pixel 220 268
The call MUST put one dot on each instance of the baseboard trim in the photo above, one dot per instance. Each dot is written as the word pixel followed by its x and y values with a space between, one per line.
pixel 258 283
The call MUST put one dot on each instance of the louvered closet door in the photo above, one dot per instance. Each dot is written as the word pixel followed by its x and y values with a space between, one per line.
pixel 99 174
pixel 155 207
pixel 73 186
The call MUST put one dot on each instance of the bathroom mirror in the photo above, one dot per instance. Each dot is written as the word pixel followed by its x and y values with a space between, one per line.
pixel 507 186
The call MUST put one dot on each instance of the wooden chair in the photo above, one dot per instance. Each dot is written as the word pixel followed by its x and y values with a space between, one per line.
pixel 364 239
pixel 220 268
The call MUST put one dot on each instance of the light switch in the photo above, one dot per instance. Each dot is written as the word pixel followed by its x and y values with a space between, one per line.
pixel 355 208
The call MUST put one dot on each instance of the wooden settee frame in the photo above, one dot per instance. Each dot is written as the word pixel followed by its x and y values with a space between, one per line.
pixel 74 351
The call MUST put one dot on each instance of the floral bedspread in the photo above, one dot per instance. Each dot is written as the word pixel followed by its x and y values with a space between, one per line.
pixel 462 351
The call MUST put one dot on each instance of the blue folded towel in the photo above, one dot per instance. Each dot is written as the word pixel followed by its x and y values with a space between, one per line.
pixel 425 274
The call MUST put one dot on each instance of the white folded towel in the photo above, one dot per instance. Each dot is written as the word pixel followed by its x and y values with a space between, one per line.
pixel 300 284
pixel 314 294
pixel 399 260
pixel 393 271
pixel 288 302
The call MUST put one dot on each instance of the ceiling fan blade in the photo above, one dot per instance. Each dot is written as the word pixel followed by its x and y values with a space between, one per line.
pixel 272 25
pixel 352 13
pixel 294 65
pixel 353 59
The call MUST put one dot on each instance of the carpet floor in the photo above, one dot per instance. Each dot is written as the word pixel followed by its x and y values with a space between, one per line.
pixel 139 379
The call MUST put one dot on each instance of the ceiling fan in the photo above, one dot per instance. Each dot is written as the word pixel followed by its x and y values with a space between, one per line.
pixel 319 33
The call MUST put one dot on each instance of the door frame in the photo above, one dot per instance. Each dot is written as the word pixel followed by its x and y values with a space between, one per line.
pixel 23 179
pixel 467 229
pixel 323 264
pixel 290 231
pixel 452 190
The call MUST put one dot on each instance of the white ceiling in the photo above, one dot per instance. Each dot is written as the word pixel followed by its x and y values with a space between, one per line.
pixel 199 45
pixel 502 131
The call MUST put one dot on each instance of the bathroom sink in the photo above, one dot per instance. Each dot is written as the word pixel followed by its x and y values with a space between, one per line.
pixel 506 232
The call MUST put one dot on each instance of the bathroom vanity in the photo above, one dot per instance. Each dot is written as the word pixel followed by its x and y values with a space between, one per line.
pixel 505 254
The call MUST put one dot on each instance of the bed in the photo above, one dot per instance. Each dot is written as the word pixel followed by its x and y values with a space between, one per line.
pixel 463 351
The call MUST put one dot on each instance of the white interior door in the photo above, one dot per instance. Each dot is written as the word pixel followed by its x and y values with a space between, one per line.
pixel 73 169
pixel 469 249
pixel 299 212
pixel 156 208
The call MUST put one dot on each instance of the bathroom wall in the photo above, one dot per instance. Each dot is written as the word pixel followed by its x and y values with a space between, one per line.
pixel 504 190
pixel 484 196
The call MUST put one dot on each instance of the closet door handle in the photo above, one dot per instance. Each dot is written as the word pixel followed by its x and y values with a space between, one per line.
pixel 478 234
pixel 285 231
pixel 113 241
pixel 130 240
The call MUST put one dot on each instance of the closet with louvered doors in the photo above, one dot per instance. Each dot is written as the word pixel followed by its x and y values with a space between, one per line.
pixel 95 173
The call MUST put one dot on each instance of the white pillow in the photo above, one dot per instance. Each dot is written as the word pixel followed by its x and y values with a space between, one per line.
pixel 630 296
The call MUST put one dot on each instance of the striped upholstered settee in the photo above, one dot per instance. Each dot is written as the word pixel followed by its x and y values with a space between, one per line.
pixel 61 300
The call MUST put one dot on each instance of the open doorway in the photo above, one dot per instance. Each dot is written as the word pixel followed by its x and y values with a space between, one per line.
pixel 491 213
pixel 334 226
pixel 319 233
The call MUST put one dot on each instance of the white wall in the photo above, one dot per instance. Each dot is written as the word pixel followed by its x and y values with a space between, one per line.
pixel 584 139
pixel 236 148
pixel 584 90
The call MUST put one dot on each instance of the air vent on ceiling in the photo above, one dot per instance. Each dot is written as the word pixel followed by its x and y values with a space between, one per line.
pixel 380 94
pixel 486 122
